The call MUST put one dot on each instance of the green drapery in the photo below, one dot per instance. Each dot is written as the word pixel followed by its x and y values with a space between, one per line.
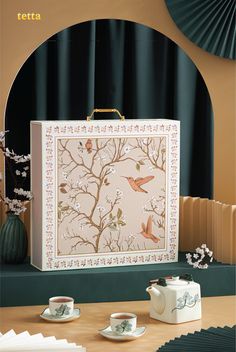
pixel 123 65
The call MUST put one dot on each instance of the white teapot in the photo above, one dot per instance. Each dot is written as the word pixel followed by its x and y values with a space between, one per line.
pixel 175 299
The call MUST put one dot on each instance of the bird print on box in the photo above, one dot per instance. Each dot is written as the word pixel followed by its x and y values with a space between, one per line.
pixel 89 146
pixel 147 231
pixel 107 188
pixel 138 182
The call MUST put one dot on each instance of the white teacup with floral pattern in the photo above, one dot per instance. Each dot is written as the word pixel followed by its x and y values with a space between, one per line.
pixel 61 306
pixel 123 323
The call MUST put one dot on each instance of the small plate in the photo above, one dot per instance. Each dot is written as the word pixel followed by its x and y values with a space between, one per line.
pixel 47 316
pixel 109 334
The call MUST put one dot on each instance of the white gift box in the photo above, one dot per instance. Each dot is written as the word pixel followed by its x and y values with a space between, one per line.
pixel 106 193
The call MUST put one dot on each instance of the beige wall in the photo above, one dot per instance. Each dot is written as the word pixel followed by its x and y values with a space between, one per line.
pixel 21 38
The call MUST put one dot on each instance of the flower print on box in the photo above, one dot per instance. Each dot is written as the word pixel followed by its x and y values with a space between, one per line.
pixel 111 194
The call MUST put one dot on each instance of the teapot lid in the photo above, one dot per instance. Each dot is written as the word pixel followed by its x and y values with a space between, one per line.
pixel 176 281
pixel 181 280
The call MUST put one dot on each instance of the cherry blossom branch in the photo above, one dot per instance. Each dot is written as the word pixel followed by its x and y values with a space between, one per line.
pixel 154 155
pixel 15 206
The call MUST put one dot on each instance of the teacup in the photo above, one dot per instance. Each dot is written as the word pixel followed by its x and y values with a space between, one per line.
pixel 61 306
pixel 123 323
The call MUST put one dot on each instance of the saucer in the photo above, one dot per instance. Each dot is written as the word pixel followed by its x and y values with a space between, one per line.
pixel 52 318
pixel 109 334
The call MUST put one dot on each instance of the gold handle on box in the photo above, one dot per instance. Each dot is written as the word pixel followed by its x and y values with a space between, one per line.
pixel 90 117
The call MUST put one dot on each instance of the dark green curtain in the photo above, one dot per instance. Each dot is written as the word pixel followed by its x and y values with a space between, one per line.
pixel 120 64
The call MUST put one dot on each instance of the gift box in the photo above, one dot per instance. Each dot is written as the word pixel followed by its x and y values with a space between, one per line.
pixel 106 193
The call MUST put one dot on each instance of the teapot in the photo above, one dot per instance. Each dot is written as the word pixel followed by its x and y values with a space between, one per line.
pixel 175 299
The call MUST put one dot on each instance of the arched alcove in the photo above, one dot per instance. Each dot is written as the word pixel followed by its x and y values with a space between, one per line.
pixel 120 64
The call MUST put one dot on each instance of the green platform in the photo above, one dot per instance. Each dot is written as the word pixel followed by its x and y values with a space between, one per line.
pixel 25 285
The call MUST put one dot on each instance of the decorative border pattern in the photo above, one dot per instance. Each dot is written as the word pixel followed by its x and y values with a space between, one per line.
pixel 129 128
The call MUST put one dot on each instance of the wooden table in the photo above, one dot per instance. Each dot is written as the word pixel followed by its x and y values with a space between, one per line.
pixel 217 311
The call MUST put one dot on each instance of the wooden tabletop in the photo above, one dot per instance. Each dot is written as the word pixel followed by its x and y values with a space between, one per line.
pixel 217 311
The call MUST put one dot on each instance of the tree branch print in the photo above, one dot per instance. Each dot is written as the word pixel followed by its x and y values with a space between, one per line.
pixel 155 154
pixel 156 206
pixel 87 196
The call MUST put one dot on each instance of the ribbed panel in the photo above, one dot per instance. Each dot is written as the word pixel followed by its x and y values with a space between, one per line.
pixel 211 222
pixel 210 24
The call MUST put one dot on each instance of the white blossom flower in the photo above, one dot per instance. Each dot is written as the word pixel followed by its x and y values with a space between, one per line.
pixel 15 206
pixel 111 170
pixel 144 208
pixel 127 149
pixel 23 193
pixel 119 193
pixel 195 265
pixel 65 175
pixel 17 158
pixel 152 152
pixel 2 135
pixel 144 141
pixel 200 251
pixel 77 206
pixel 201 258
pixel 81 226
pixel 108 200
pixel 188 255
pixel 203 266
pixel 101 209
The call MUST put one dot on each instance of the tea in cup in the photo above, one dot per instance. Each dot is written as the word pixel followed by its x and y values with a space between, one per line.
pixel 61 306
pixel 123 323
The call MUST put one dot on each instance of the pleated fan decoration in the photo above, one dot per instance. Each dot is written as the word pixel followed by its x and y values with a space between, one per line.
pixel 210 340
pixel 11 341
pixel 210 24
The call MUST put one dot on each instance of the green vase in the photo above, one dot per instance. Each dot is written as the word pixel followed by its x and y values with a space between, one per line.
pixel 13 240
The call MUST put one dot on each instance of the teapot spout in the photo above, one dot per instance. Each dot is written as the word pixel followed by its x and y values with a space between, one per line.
pixel 157 299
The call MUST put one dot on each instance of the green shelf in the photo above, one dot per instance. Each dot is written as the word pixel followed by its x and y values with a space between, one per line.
pixel 23 285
